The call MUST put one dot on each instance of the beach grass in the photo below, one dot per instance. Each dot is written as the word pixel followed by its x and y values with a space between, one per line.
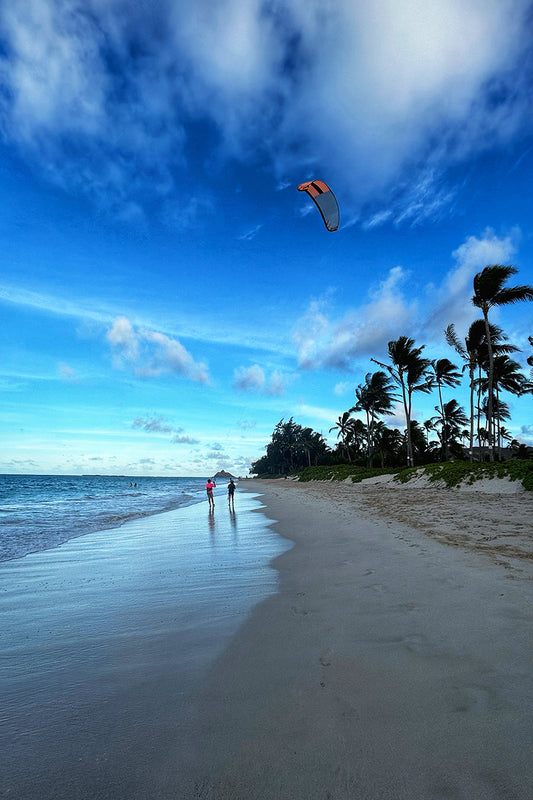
pixel 453 473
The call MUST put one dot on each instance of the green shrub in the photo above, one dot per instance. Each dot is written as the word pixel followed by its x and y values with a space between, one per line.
pixel 452 473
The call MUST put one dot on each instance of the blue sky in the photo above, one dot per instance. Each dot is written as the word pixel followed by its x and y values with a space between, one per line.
pixel 167 296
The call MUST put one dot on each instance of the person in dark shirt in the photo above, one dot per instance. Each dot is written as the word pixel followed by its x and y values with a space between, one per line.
pixel 231 495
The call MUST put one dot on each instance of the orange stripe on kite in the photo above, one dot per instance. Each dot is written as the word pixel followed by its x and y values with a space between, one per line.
pixel 324 200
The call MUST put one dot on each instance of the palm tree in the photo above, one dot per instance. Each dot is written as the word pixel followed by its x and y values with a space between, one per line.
pixel 357 439
pixel 445 374
pixel 505 434
pixel 428 426
pixel 474 353
pixel 507 376
pixel 408 370
pixel 387 442
pixel 375 398
pixel 343 427
pixel 490 291
pixel 451 418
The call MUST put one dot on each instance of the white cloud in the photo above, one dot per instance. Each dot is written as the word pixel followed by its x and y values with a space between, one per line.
pixel 124 340
pixel 392 310
pixel 452 299
pixel 248 379
pixel 325 415
pixel 253 379
pixel 342 387
pixel 361 332
pixel 152 354
pixel 377 90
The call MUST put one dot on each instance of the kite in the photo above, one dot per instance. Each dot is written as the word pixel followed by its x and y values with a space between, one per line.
pixel 324 200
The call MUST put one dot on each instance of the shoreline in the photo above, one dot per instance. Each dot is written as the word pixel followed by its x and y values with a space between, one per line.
pixel 106 639
pixel 387 666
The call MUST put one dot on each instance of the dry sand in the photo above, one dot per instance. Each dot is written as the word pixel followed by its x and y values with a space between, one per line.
pixel 390 665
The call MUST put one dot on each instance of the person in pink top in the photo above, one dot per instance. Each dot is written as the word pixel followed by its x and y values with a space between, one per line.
pixel 210 485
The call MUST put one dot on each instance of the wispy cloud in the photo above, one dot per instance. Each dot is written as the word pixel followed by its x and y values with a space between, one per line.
pixel 151 353
pixel 153 425
pixel 185 440
pixel 160 425
pixel 104 94
pixel 66 372
pixel 251 234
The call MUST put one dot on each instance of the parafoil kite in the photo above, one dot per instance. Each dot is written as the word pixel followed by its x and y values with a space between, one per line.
pixel 324 200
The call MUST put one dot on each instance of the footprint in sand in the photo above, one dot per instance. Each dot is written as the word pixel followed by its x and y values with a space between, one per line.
pixel 325 658
pixel 302 611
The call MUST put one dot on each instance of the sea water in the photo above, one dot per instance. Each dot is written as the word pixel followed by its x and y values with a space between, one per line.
pixel 107 634
pixel 38 512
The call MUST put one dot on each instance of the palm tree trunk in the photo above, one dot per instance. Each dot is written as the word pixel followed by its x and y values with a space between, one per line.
pixel 444 436
pixel 407 410
pixel 471 440
pixel 490 383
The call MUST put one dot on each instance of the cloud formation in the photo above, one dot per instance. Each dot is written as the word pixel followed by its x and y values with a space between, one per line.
pixel 161 425
pixel 153 425
pixel 152 354
pixel 321 340
pixel 104 94
pixel 253 379
pixel 452 299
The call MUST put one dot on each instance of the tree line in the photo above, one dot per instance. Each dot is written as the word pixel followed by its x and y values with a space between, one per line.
pixel 479 432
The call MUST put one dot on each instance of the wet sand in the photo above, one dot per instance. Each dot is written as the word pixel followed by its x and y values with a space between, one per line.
pixel 105 639
pixel 396 662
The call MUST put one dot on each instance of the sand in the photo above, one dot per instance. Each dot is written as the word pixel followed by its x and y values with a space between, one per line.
pixel 396 661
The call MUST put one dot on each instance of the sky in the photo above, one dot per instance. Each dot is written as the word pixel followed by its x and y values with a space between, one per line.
pixel 166 294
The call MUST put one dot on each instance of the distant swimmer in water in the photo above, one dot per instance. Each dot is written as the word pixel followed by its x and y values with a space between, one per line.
pixel 231 494
pixel 210 485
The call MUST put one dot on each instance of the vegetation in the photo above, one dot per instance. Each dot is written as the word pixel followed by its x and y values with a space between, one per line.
pixel 451 473
pixel 464 472
pixel 361 444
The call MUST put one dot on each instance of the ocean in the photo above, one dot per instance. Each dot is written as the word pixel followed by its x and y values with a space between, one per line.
pixel 115 603
pixel 39 512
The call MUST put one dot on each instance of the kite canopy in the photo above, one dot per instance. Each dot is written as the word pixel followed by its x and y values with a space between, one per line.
pixel 324 200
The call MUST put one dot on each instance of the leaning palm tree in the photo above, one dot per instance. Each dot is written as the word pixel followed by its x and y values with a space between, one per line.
pixel 375 398
pixel 490 291
pixel 409 371
pixel 344 428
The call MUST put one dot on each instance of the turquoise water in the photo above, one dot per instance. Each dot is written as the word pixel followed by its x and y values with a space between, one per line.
pixel 108 636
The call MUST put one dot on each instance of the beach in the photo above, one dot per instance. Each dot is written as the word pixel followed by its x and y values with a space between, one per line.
pixel 106 638
pixel 388 655
pixel 394 662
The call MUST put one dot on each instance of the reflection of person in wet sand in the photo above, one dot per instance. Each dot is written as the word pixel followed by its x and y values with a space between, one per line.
pixel 210 485
pixel 231 495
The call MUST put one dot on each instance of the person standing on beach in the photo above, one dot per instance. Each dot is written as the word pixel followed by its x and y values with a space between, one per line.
pixel 210 485
pixel 231 494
